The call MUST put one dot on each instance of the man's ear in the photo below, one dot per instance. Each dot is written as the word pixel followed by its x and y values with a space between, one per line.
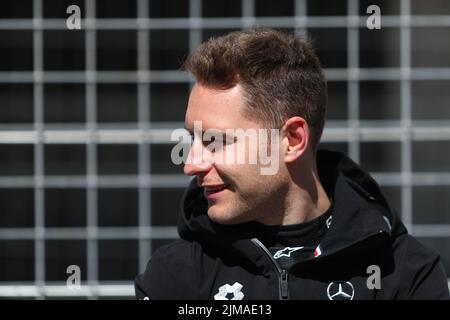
pixel 295 138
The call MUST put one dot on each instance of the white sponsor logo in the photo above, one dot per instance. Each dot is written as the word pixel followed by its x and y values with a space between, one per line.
pixel 340 290
pixel 286 252
pixel 226 291
pixel 328 221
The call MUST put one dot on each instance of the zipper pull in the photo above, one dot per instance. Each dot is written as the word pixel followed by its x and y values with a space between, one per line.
pixel 284 285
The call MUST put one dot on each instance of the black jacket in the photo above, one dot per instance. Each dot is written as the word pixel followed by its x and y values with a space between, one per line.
pixel 216 261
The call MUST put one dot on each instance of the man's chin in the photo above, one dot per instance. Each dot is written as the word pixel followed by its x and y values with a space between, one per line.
pixel 223 216
pixel 217 215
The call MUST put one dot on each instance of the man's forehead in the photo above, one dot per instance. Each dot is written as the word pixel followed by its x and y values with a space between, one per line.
pixel 221 110
pixel 203 99
pixel 216 109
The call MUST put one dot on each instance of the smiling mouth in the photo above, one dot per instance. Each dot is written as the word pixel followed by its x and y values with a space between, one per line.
pixel 215 188
pixel 210 190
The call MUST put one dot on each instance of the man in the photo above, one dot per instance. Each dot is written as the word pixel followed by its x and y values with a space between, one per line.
pixel 318 227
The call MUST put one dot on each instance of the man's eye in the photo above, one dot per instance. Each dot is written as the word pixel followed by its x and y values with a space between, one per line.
pixel 213 139
pixel 229 140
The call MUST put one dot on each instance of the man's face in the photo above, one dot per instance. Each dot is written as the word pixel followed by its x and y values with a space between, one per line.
pixel 236 192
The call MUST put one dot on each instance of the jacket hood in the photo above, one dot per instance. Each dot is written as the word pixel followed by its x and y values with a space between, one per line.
pixel 361 213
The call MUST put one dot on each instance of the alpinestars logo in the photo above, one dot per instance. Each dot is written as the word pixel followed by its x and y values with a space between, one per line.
pixel 227 292
pixel 286 252
pixel 328 221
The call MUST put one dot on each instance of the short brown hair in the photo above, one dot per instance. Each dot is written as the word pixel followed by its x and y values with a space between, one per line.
pixel 280 74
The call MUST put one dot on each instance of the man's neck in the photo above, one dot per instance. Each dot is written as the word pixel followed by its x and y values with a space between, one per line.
pixel 303 208
pixel 301 203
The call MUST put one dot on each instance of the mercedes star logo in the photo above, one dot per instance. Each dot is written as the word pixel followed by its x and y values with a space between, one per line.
pixel 340 290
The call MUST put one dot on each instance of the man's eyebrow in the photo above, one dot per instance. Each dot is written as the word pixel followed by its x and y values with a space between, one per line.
pixel 212 130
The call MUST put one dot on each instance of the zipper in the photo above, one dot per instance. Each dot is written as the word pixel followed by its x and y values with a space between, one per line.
pixel 283 275
pixel 284 285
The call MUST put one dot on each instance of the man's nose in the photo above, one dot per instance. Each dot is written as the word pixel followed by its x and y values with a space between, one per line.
pixel 197 161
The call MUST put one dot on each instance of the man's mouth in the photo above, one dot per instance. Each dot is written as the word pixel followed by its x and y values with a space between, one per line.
pixel 213 190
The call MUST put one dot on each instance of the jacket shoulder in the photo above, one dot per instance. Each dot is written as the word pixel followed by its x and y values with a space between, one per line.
pixel 422 274
pixel 170 273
